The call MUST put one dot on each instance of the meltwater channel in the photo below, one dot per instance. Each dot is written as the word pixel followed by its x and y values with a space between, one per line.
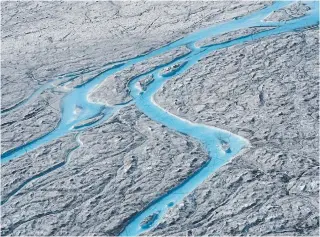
pixel 209 136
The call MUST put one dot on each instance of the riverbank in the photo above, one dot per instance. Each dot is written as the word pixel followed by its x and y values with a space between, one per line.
pixel 117 149
pixel 272 100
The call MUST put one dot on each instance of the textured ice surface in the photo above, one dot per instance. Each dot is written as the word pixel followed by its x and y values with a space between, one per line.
pixel 294 10
pixel 266 91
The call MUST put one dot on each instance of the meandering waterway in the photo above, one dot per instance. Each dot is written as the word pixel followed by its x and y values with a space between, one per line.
pixel 212 138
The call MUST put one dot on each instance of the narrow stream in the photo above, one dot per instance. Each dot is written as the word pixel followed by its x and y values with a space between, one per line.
pixel 212 138
pixel 209 136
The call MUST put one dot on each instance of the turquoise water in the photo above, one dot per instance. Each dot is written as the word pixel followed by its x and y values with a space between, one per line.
pixel 210 137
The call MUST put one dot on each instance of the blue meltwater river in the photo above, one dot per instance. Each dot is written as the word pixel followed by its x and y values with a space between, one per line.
pixel 212 138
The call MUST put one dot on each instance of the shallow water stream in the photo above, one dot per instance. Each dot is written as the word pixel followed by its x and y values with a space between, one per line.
pixel 212 138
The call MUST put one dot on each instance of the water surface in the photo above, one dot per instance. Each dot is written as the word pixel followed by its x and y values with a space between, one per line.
pixel 75 107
